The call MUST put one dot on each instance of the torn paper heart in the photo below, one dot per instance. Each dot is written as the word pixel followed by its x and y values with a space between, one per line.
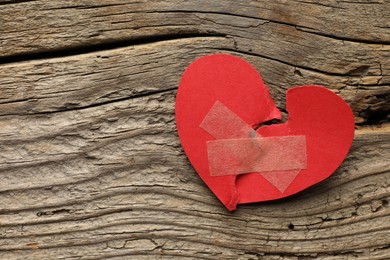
pixel 221 97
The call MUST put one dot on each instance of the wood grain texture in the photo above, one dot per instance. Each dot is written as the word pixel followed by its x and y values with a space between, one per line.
pixel 90 163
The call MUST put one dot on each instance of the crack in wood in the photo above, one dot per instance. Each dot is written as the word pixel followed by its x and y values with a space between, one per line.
pixel 84 49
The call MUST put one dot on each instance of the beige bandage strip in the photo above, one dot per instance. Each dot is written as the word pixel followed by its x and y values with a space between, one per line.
pixel 264 154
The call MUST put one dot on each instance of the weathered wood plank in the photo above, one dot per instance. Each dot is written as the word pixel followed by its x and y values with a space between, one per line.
pixel 112 180
pixel 46 25
pixel 90 79
pixel 90 162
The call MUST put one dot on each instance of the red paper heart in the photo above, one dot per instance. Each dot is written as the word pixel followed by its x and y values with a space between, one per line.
pixel 318 114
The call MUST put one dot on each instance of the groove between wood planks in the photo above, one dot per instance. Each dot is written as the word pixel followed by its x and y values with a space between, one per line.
pixel 91 48
pixel 113 44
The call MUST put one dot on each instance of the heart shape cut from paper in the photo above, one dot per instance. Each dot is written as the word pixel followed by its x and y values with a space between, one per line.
pixel 219 100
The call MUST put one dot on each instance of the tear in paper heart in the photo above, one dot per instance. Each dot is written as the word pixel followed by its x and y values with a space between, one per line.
pixel 221 97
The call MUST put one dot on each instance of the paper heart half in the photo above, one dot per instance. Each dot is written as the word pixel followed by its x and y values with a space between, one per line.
pixel 318 115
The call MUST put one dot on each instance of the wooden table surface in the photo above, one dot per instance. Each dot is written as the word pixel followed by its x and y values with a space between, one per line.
pixel 91 166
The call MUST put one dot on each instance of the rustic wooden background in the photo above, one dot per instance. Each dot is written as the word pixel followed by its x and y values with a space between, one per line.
pixel 90 163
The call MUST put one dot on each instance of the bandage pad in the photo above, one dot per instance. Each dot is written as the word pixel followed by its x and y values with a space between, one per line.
pixel 239 149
